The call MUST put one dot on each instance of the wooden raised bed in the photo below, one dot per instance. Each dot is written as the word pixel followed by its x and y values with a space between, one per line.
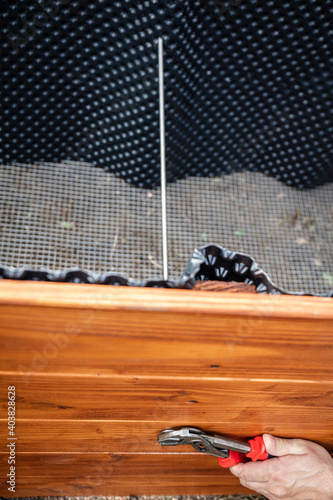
pixel 99 371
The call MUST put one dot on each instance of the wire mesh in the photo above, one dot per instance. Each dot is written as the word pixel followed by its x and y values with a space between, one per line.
pixel 74 215
pixel 59 216
pixel 288 232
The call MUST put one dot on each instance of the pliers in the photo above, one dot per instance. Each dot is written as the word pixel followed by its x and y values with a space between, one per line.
pixel 229 451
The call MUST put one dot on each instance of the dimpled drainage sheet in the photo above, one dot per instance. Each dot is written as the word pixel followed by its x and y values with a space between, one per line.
pixel 60 216
pixel 248 86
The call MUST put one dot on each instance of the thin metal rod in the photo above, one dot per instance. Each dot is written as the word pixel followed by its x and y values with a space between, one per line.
pixel 163 162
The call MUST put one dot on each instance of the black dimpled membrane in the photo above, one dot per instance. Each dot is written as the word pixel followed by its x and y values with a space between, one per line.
pixel 211 262
pixel 248 86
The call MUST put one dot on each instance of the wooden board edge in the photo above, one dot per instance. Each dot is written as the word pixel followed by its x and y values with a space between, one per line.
pixel 99 297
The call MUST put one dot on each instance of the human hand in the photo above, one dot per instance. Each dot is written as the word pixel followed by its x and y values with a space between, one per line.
pixel 303 471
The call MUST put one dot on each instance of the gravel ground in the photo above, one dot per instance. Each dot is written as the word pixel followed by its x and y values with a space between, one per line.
pixel 132 497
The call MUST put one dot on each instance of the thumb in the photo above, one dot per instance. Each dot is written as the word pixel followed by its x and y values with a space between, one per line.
pixel 279 447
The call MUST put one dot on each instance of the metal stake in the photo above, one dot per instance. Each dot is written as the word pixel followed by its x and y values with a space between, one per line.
pixel 163 162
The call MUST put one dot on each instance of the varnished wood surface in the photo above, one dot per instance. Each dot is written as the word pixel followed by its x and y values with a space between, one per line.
pixel 114 402
pixel 96 297
pixel 131 473
pixel 100 371
pixel 83 436
pixel 120 464
pixel 111 342
pixel 138 483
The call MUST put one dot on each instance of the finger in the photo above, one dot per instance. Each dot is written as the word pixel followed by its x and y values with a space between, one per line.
pixel 236 470
pixel 259 472
pixel 279 447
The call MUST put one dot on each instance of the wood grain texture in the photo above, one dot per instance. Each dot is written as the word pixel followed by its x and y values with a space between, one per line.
pixel 119 464
pixel 152 404
pixel 100 371
pixel 65 340
pixel 97 297
pixel 131 484
pixel 127 473
pixel 86 436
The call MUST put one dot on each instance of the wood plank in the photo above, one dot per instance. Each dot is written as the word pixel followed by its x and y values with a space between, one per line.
pixel 119 465
pixel 39 486
pixel 106 342
pixel 160 399
pixel 119 474
pixel 86 436
pixel 98 297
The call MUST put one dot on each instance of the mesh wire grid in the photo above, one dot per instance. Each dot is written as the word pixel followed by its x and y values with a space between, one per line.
pixel 60 216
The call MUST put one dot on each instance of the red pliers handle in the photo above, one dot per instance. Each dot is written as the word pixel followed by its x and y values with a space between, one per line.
pixel 257 452
pixel 229 451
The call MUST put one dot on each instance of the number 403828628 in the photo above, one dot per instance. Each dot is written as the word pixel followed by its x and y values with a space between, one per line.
pixel 11 409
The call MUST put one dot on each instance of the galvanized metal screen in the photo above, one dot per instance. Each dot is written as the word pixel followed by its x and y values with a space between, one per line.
pixel 59 216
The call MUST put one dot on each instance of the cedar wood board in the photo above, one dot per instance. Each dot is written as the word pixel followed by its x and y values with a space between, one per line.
pixel 99 371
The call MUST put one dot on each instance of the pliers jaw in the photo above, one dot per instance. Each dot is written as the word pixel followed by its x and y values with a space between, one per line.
pixel 229 451
pixel 198 439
